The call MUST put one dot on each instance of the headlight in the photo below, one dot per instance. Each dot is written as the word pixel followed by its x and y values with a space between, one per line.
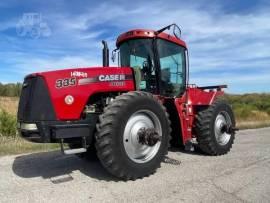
pixel 28 126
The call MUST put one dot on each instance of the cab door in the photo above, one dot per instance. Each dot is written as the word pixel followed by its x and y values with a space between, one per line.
pixel 172 63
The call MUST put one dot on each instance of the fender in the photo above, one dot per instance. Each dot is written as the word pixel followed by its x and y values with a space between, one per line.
pixel 186 107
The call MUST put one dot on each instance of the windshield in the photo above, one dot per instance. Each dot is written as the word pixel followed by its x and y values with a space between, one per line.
pixel 138 54
pixel 135 52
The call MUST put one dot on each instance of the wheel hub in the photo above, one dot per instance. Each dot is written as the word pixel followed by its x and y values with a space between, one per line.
pixel 142 136
pixel 223 129
pixel 148 136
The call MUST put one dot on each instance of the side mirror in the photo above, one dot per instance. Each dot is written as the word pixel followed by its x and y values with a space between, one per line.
pixel 176 31
pixel 114 54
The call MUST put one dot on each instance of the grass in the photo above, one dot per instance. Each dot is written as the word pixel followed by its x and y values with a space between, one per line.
pixel 251 110
pixel 16 145
pixel 9 104
pixel 8 124
pixel 254 119
pixel 10 142
pixel 252 124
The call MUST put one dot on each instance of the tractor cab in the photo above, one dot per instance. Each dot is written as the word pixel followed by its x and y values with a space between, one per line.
pixel 158 60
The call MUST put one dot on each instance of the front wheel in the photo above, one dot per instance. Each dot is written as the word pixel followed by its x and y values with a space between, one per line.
pixel 214 127
pixel 132 135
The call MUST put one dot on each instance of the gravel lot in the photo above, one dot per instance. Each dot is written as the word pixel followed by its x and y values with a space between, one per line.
pixel 243 175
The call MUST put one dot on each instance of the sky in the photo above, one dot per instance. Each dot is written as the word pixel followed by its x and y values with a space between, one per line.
pixel 228 41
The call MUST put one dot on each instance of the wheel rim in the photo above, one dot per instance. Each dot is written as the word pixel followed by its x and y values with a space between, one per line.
pixel 136 151
pixel 222 119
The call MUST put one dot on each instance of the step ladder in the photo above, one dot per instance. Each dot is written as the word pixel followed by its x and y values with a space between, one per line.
pixel 73 151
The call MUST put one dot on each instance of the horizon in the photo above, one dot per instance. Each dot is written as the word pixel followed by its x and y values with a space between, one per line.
pixel 227 41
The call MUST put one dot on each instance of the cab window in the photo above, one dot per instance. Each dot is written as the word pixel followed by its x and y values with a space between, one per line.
pixel 138 54
pixel 172 68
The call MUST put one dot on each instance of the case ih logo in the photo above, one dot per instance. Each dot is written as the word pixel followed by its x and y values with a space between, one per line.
pixel 111 77
pixel 105 78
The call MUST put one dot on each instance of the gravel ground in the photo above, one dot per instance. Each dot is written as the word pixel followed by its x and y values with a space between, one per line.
pixel 243 175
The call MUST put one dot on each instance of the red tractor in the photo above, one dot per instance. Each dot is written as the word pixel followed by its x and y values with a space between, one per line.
pixel 130 114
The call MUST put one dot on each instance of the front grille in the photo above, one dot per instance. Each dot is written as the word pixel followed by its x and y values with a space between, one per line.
pixel 35 103
pixel 25 99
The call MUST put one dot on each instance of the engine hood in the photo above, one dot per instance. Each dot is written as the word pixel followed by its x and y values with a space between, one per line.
pixel 81 83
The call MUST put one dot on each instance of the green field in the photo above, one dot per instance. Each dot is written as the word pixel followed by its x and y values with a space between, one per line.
pixel 251 111
pixel 17 145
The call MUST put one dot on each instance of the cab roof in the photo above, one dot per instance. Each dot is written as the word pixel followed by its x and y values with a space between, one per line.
pixel 144 33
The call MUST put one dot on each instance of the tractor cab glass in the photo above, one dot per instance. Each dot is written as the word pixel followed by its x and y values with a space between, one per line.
pixel 139 54
pixel 172 68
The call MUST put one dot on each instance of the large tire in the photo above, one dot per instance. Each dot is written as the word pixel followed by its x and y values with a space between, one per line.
pixel 117 135
pixel 209 125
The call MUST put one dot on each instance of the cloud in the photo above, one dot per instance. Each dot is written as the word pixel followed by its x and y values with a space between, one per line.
pixel 237 83
pixel 9 24
pixel 37 64
pixel 223 45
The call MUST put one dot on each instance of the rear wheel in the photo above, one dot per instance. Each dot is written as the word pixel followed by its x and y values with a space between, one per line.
pixel 132 135
pixel 214 128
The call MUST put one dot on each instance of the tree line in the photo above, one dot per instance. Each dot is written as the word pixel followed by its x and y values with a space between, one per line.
pixel 10 89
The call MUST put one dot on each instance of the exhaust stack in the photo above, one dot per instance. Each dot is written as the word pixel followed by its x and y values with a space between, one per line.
pixel 105 53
